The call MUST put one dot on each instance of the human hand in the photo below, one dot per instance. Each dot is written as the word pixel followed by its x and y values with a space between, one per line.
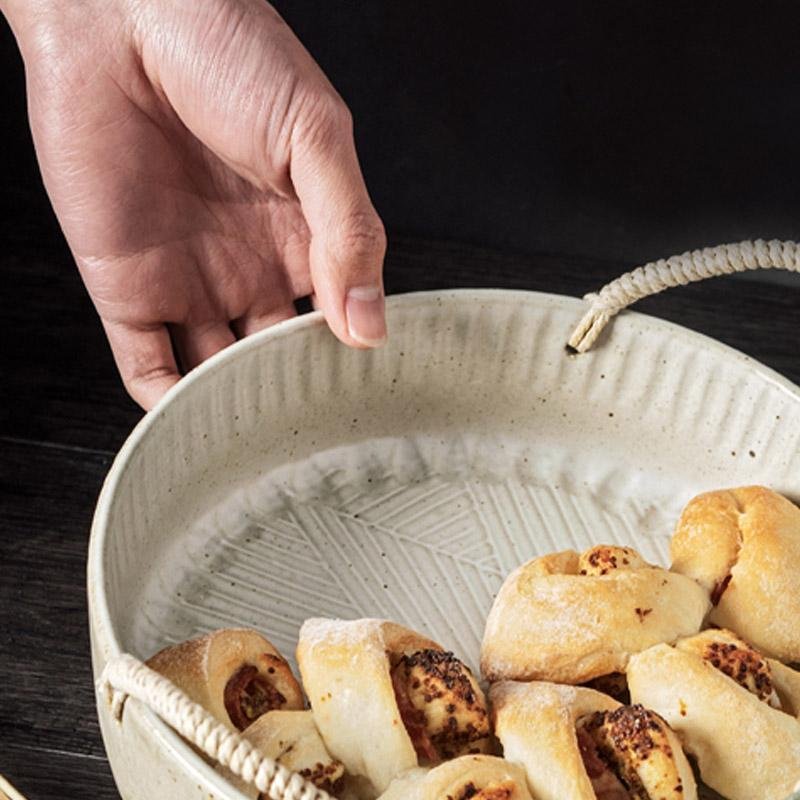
pixel 204 173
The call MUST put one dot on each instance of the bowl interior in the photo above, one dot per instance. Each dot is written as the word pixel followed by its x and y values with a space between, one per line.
pixel 293 477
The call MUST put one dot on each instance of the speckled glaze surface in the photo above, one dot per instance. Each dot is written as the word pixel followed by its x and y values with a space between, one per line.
pixel 291 477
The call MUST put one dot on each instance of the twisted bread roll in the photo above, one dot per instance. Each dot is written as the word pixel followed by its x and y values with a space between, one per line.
pixel 467 778
pixel 235 674
pixel 570 618
pixel 733 709
pixel 743 546
pixel 291 738
pixel 580 744
pixel 387 699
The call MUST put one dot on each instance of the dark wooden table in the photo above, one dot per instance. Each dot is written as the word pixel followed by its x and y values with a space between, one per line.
pixel 63 414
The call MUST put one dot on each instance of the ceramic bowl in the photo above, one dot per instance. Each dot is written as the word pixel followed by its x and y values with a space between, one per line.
pixel 290 476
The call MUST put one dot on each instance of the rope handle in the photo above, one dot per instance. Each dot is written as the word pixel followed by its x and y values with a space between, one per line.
pixel 125 676
pixel 679 270
pixel 8 792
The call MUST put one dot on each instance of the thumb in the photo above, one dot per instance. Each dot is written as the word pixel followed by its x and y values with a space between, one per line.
pixel 348 242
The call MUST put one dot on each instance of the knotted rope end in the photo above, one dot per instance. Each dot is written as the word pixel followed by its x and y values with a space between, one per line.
pixel 589 328
pixel 112 697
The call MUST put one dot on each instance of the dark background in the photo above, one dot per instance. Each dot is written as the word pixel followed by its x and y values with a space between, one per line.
pixel 616 130
pixel 619 130
pixel 543 146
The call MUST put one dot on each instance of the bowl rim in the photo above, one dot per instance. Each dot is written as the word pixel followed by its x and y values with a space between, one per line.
pixel 102 628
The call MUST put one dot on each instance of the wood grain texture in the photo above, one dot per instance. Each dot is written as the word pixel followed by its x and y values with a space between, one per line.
pixel 47 706
pixel 63 414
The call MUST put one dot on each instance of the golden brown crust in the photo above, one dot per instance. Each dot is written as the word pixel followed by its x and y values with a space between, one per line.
pixel 539 725
pixel 744 747
pixel 735 658
pixel 605 558
pixel 743 545
pixel 477 777
pixel 207 668
pixel 536 724
pixel 292 739
pixel 549 622
pixel 185 664
pixel 357 673
pixel 639 747
pixel 447 700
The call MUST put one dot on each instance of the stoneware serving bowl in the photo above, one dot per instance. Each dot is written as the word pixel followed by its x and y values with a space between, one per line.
pixel 290 476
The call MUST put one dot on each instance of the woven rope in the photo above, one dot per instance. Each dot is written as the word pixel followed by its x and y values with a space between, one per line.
pixel 125 676
pixel 678 271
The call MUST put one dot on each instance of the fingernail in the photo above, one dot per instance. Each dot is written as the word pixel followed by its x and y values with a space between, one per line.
pixel 366 321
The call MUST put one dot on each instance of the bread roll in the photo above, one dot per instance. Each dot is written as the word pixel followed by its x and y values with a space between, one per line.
pixel 735 658
pixel 234 673
pixel 720 696
pixel 476 777
pixel 387 699
pixel 291 738
pixel 569 618
pixel 743 546
pixel 580 744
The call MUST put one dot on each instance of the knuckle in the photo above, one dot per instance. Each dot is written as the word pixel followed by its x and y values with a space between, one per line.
pixel 331 110
pixel 146 376
pixel 324 118
pixel 141 385
pixel 339 114
pixel 360 238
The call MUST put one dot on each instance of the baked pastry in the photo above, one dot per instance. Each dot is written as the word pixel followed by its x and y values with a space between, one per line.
pixel 477 777
pixel 387 699
pixel 569 618
pixel 743 546
pixel 234 673
pixel 291 738
pixel 580 744
pixel 734 710
pixel 615 685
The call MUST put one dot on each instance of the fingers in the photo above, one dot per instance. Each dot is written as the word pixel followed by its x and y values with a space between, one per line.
pixel 348 242
pixel 144 359
pixel 253 322
pixel 196 344
pixel 242 83
pixel 272 298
